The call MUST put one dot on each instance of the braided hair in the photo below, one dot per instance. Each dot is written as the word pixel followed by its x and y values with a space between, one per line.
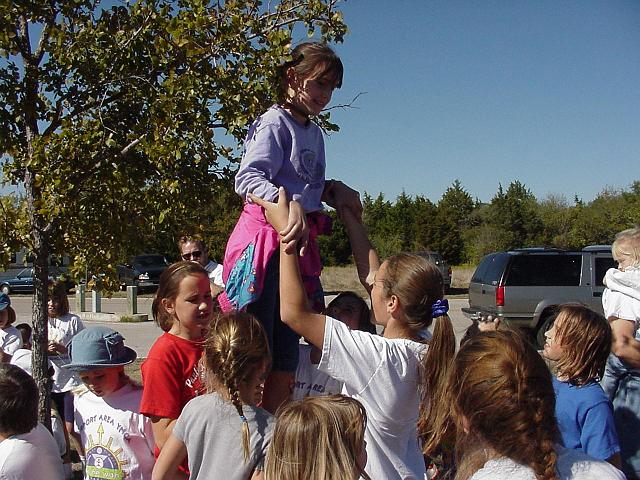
pixel 236 348
pixel 504 404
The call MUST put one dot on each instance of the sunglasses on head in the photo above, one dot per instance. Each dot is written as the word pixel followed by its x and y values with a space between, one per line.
pixel 190 255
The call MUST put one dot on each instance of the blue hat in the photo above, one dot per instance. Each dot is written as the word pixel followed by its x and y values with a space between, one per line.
pixel 5 301
pixel 98 347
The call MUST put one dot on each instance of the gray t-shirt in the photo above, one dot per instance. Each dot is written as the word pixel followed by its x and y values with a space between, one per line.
pixel 211 429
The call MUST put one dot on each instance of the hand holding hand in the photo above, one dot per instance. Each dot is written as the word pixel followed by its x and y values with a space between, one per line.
pixel 297 229
pixel 342 197
pixel 278 215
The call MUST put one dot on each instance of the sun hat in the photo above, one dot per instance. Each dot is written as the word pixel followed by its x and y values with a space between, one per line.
pixel 98 347
pixel 5 301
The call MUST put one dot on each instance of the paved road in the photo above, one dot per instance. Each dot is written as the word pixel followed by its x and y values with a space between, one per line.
pixel 140 336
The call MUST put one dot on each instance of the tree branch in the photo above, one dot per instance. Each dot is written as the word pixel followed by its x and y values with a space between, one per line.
pixel 137 32
pixel 344 106
pixel 80 177
pixel 23 39
pixel 46 31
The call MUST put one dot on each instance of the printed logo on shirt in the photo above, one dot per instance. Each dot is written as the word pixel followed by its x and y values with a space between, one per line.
pixel 309 170
pixel 103 463
pixel 195 382
pixel 307 388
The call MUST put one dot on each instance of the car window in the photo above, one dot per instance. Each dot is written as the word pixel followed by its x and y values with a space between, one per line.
pixel 602 265
pixel 544 270
pixel 25 272
pixel 490 269
pixel 478 275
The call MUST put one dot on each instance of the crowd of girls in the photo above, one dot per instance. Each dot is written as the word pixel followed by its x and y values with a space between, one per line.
pixel 229 392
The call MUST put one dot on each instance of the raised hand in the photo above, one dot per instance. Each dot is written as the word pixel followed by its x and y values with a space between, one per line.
pixel 290 227
pixel 277 214
pixel 342 197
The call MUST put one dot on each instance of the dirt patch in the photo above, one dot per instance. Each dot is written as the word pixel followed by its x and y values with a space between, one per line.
pixel 339 279
pixel 133 370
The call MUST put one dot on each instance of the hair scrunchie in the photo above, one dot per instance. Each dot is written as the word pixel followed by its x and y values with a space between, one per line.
pixel 439 308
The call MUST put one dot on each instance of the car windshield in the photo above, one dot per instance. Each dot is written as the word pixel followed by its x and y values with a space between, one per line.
pixel 25 272
pixel 432 257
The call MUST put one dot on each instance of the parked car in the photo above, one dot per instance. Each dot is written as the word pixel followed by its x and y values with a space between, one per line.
pixel 23 281
pixel 142 271
pixel 521 286
pixel 439 261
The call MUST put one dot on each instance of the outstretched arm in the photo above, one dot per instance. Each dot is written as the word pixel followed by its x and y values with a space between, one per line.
pixel 366 258
pixel 294 306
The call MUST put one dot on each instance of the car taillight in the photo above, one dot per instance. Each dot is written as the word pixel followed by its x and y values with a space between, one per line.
pixel 500 296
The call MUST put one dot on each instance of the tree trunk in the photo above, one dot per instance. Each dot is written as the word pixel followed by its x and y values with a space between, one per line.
pixel 40 251
pixel 40 327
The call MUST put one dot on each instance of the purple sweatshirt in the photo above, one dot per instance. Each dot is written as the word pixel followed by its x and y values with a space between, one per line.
pixel 280 152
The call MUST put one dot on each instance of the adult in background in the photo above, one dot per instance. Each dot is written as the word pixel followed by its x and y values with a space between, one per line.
pixel 193 249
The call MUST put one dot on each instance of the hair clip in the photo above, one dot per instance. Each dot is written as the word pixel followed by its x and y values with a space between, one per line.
pixel 243 418
pixel 439 308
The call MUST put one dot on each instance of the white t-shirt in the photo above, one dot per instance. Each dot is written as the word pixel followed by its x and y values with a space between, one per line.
pixel 621 298
pixel 10 339
pixel 310 380
pixel 571 465
pixel 32 455
pixel 215 272
pixel 117 438
pixel 62 330
pixel 383 374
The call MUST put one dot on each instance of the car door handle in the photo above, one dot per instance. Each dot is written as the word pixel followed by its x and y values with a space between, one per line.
pixel 597 294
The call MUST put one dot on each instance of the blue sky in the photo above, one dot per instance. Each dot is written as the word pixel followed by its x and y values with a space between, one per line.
pixel 546 92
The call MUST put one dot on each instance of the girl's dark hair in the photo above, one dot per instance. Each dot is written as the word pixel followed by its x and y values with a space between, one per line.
pixel 364 322
pixel 503 400
pixel 25 332
pixel 58 294
pixel 585 338
pixel 311 60
pixel 18 400
pixel 11 316
pixel 236 347
pixel 169 286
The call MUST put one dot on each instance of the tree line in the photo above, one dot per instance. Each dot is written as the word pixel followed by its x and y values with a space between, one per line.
pixel 463 229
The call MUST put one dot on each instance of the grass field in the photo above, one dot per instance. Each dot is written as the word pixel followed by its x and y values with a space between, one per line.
pixel 338 279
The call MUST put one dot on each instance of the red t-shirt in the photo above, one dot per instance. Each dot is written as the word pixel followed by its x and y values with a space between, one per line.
pixel 171 377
